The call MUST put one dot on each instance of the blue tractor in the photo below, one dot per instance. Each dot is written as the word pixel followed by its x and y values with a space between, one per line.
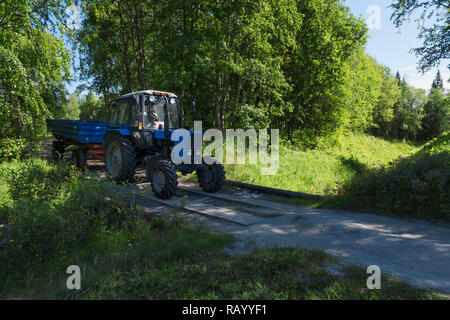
pixel 141 133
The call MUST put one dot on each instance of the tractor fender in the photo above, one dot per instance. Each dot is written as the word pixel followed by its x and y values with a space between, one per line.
pixel 123 132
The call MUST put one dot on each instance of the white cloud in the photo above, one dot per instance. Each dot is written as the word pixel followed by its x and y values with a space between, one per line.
pixel 424 81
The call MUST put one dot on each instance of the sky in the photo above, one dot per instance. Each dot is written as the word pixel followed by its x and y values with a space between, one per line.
pixel 388 45
pixel 391 47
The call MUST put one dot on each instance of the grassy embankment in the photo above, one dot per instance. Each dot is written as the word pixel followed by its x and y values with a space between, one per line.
pixel 323 170
pixel 364 173
pixel 57 219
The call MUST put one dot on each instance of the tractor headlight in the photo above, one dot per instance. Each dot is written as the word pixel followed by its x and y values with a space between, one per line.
pixel 152 99
pixel 172 101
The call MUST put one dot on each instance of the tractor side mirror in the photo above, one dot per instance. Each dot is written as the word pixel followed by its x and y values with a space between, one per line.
pixel 193 105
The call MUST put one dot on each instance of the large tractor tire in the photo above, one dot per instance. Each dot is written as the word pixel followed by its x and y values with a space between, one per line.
pixel 211 177
pixel 163 178
pixel 57 150
pixel 79 158
pixel 120 158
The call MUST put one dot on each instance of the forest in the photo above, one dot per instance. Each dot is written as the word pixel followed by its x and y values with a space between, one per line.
pixel 299 66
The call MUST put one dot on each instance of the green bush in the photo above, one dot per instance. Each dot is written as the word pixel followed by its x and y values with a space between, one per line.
pixel 11 149
pixel 36 179
pixel 41 230
pixel 415 186
pixel 51 209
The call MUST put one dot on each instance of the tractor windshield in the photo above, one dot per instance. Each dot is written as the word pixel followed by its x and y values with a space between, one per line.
pixel 126 113
pixel 154 114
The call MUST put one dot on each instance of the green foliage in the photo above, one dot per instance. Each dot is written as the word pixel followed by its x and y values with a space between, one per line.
pixel 248 64
pixel 34 66
pixel 437 82
pixel 324 43
pixel 70 109
pixel 436 38
pixel 414 186
pixel 92 108
pixel 35 179
pixel 11 149
pixel 408 113
pixel 362 90
pixel 383 113
pixel 436 114
pixel 53 211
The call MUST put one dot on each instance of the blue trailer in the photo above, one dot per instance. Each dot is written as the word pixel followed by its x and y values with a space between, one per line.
pixel 78 132
pixel 84 137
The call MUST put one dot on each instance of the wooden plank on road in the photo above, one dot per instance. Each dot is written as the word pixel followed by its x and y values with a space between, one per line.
pixel 202 208
pixel 233 198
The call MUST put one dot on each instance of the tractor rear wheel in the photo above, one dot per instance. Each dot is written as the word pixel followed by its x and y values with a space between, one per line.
pixel 120 158
pixel 211 177
pixel 79 158
pixel 163 178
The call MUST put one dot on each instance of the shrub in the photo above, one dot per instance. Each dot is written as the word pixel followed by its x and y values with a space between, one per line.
pixel 11 149
pixel 36 179
pixel 42 230
pixel 414 186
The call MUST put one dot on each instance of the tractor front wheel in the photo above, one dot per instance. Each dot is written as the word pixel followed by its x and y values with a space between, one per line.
pixel 163 178
pixel 211 177
pixel 120 159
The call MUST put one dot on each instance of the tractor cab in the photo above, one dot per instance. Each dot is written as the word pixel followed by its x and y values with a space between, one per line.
pixel 149 117
pixel 148 110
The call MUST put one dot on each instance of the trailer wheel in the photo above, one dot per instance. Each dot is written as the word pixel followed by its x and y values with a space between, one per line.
pixel 57 150
pixel 120 158
pixel 163 178
pixel 211 177
pixel 79 158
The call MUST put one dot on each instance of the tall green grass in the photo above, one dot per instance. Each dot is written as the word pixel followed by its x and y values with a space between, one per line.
pixel 322 170
pixel 418 185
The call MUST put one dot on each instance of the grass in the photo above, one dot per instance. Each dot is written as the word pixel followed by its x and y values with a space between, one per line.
pixel 417 185
pixel 123 256
pixel 323 170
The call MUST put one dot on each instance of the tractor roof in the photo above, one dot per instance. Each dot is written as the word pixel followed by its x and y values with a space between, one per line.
pixel 150 92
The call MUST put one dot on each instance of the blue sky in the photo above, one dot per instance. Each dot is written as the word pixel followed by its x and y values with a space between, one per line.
pixel 392 47
pixel 389 46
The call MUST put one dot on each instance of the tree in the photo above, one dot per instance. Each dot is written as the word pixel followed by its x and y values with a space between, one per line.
pixel 436 39
pixel 436 118
pixel 34 66
pixel 437 82
pixel 383 112
pixel 277 63
pixel 92 108
pixel 362 89
pixel 407 112
pixel 70 109
pixel 315 66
